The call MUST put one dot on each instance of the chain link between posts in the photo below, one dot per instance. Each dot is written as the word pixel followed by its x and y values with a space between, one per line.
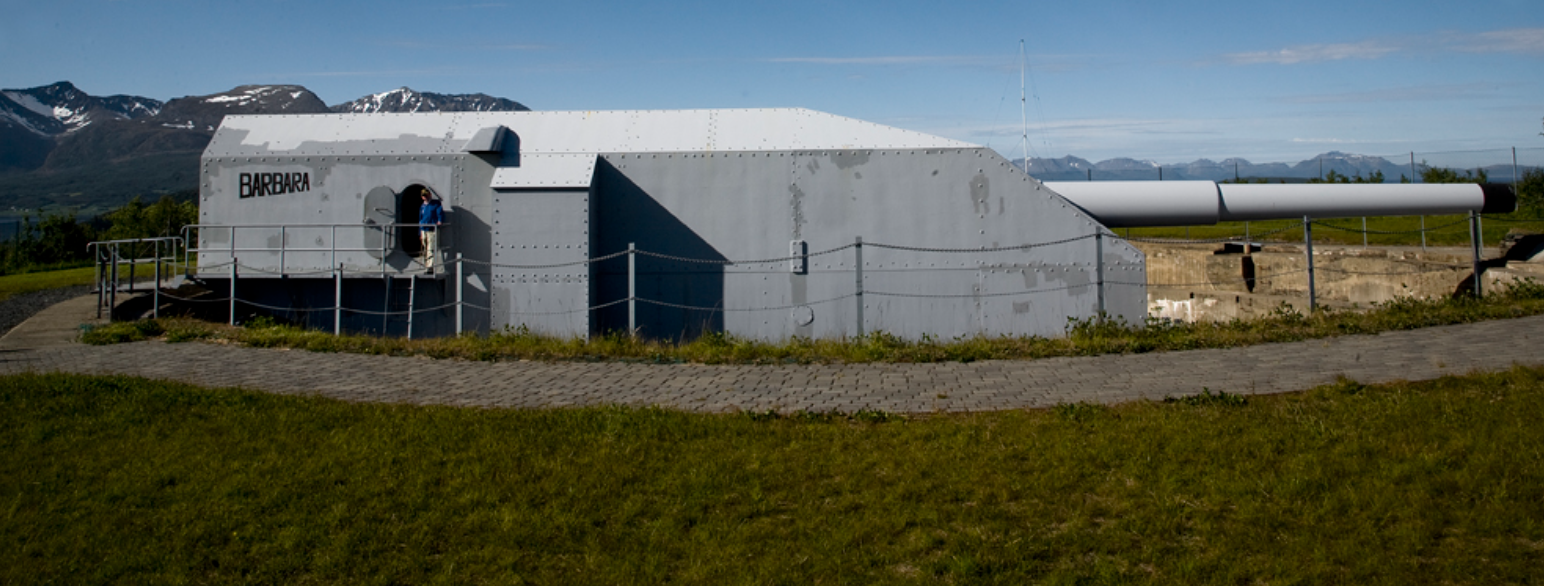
pixel 1326 224
pixel 341 272
pixel 1514 220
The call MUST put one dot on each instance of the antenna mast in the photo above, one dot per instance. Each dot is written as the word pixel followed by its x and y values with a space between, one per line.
pixel 1023 102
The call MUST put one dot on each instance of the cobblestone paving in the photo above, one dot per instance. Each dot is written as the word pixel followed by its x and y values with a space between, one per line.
pixel 903 388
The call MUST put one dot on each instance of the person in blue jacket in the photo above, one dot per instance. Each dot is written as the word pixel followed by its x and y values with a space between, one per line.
pixel 430 217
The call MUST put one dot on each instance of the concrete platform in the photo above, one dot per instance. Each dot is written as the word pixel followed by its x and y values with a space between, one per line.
pixel 45 344
pixel 56 326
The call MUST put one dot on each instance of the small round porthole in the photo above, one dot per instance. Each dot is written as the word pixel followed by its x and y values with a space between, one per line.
pixel 803 315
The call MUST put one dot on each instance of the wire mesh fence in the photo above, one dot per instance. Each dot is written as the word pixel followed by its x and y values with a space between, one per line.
pixel 1094 272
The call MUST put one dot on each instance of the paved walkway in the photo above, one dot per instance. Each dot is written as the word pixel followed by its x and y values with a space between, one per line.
pixel 45 343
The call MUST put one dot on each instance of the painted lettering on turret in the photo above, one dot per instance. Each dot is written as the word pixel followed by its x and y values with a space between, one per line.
pixel 266 184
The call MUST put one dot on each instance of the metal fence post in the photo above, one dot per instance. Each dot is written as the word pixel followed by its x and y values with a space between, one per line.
pixel 1099 268
pixel 412 303
pixel 112 294
pixel 235 269
pixel 101 281
pixel 460 309
pixel 337 301
pixel 858 271
pixel 187 254
pixel 632 289
pixel 1423 233
pixel 133 252
pixel 1313 298
pixel 1474 245
pixel 155 291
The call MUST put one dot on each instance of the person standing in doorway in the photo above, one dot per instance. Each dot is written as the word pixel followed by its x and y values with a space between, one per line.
pixel 430 216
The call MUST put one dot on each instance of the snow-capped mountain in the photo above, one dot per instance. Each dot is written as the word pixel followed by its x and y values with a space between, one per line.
pixel 1125 164
pixel 405 100
pixel 204 113
pixel 1038 167
pixel 61 108
pixel 58 126
pixel 1349 164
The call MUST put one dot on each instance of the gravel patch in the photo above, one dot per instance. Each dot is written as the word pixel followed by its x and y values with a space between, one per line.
pixel 18 308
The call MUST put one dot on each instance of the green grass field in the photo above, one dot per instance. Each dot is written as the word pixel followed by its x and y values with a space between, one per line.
pixel 29 282
pixel 39 280
pixel 122 480
pixel 1451 230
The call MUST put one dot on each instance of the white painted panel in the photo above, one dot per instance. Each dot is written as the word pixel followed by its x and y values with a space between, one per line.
pixel 547 171
pixel 564 132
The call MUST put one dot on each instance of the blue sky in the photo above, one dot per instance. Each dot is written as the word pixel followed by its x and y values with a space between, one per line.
pixel 1166 81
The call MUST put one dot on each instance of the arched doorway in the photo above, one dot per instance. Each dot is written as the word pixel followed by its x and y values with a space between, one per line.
pixel 408 203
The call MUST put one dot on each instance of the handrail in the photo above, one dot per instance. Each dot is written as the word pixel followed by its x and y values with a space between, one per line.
pixel 332 248
pixel 314 225
pixel 127 240
pixel 108 258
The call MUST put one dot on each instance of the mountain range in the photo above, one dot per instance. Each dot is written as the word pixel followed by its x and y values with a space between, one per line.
pixel 61 147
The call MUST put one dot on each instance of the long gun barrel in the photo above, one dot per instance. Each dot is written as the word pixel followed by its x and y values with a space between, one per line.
pixel 1124 204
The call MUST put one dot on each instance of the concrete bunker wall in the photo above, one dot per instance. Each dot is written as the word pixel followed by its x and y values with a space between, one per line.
pixel 321 208
pixel 717 207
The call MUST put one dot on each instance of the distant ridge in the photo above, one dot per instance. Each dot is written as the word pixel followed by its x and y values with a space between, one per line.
pixel 60 146
pixel 31 120
pixel 61 108
pixel 404 100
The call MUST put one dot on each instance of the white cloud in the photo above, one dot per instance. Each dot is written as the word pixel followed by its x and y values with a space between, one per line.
pixel 1080 127
pixel 381 73
pixel 1529 41
pixel 1517 40
pixel 1327 141
pixel 1314 53
pixel 1037 63
pixel 886 60
pixel 466 48
pixel 1426 93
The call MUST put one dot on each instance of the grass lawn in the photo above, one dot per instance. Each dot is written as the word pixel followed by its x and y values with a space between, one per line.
pixel 29 282
pixel 123 480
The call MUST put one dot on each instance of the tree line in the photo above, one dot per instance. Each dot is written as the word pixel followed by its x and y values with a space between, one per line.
pixel 58 240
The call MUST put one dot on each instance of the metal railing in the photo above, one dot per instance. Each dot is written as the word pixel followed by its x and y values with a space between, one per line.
pixel 388 234
pixel 108 256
